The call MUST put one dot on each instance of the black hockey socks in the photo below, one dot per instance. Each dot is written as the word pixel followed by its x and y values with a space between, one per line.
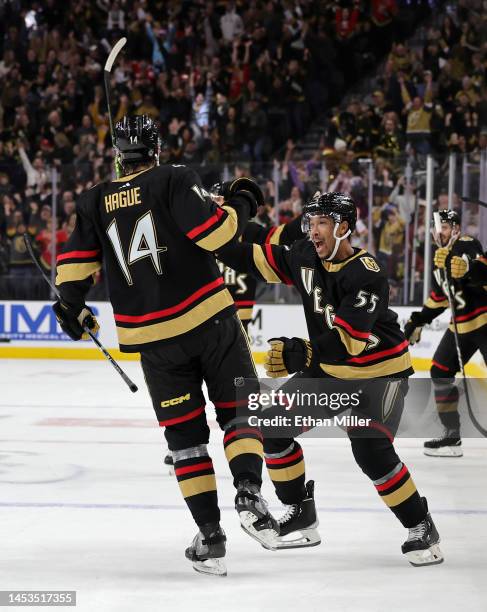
pixel 196 478
pixel 286 469
pixel 243 450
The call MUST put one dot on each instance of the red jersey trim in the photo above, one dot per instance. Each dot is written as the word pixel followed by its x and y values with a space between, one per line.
pixel 77 255
pixel 353 332
pixel 173 309
pixel 374 356
pixel 196 231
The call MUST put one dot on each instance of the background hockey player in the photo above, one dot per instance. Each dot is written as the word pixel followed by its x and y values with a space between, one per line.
pixel 353 337
pixel 470 299
pixel 156 230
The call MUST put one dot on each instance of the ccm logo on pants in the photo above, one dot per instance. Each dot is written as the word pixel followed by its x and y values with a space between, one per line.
pixel 175 401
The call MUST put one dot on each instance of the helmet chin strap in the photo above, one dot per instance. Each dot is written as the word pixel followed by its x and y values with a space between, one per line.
pixel 338 239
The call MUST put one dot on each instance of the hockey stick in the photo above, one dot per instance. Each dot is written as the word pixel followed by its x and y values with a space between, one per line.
pixel 132 386
pixel 479 202
pixel 451 302
pixel 117 47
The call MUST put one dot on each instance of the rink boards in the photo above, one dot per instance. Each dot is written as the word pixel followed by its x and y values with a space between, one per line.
pixel 29 330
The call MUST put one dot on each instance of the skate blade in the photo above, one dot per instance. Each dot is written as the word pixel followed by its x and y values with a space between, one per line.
pixel 446 451
pixel 266 537
pixel 430 556
pixel 303 538
pixel 213 567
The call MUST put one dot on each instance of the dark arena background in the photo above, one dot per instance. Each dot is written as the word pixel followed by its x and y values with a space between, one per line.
pixel 382 100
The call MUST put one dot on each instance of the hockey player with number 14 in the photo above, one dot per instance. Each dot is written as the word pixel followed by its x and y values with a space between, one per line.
pixel 156 230
pixel 353 338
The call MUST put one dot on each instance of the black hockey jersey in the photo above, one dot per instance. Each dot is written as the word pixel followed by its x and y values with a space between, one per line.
pixel 470 298
pixel 346 306
pixel 156 232
pixel 243 286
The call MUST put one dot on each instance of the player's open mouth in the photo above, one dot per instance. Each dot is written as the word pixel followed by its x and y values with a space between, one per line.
pixel 318 244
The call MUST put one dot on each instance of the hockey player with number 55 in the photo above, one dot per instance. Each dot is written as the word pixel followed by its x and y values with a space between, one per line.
pixel 353 337
pixel 156 230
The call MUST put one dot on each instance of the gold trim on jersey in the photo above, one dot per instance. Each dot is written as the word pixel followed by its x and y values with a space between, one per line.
pixel 179 325
pixel 245 314
pixel 276 236
pixel 242 447
pixel 430 303
pixel 383 368
pixel 264 266
pixel 288 473
pixel 198 484
pixel 401 495
pixel 470 326
pixel 335 267
pixel 447 407
pixel 222 234
pixel 353 346
pixel 129 177
pixel 76 271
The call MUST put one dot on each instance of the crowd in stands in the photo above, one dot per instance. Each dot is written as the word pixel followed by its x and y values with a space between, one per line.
pixel 235 83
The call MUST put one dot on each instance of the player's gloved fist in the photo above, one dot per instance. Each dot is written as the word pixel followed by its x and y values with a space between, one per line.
pixel 413 328
pixel 459 266
pixel 441 255
pixel 287 355
pixel 73 318
pixel 246 187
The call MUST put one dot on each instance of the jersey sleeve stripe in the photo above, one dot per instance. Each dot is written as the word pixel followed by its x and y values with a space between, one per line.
pixel 472 314
pixel 380 354
pixel 355 333
pixel 272 261
pixel 221 234
pixel 354 347
pixel 263 265
pixel 76 271
pixel 78 255
pixel 159 314
pixel 437 297
pixel 276 235
pixel 430 303
pixel 243 303
pixel 199 229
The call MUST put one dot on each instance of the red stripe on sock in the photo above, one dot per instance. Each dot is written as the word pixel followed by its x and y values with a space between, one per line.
pixel 281 460
pixel 198 467
pixel 392 481
pixel 237 432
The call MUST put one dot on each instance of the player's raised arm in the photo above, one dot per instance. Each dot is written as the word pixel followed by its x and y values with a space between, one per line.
pixel 207 224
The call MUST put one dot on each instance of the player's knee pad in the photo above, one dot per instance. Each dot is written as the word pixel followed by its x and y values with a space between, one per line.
pixel 375 455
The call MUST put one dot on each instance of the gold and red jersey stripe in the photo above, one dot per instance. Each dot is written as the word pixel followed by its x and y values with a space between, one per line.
pixel 393 361
pixel 180 318
pixel 471 321
pixel 354 340
pixel 215 231
pixel 77 265
pixel 245 309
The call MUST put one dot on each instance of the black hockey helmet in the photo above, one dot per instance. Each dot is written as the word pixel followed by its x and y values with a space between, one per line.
pixel 137 140
pixel 450 216
pixel 338 206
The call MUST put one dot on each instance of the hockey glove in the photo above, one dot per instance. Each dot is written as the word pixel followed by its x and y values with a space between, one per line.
pixel 72 319
pixel 459 266
pixel 413 328
pixel 286 356
pixel 441 255
pixel 244 186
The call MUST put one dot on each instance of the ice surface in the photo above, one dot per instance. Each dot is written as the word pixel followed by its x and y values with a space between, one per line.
pixel 86 505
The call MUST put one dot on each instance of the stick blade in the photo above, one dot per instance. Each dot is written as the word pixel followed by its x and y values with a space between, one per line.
pixel 117 47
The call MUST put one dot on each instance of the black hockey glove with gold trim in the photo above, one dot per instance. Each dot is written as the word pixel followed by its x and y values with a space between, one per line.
pixel 287 355
pixel 73 318
pixel 413 328
pixel 246 187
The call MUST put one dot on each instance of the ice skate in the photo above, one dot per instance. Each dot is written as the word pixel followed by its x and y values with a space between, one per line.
pixel 169 463
pixel 208 549
pixel 255 518
pixel 422 546
pixel 297 527
pixel 449 445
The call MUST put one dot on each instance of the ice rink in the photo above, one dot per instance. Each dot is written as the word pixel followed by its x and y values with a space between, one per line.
pixel 86 505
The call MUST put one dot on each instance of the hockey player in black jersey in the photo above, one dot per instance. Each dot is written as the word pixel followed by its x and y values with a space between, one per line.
pixel 354 337
pixel 156 231
pixel 470 299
